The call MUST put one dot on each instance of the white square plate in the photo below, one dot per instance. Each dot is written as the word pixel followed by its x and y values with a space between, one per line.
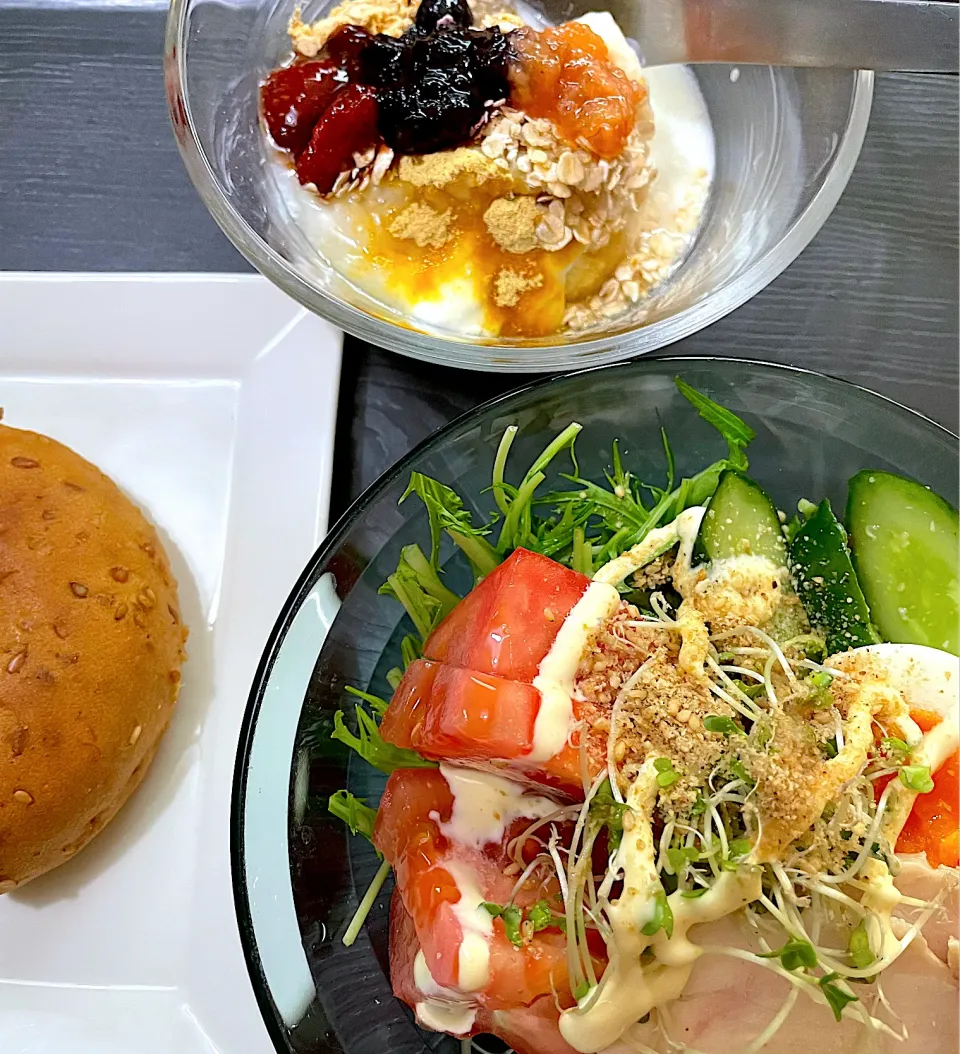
pixel 211 400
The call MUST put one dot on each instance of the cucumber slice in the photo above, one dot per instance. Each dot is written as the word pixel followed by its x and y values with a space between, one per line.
pixel 827 583
pixel 904 542
pixel 741 519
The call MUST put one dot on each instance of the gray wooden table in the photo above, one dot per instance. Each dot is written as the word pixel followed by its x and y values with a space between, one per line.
pixel 90 179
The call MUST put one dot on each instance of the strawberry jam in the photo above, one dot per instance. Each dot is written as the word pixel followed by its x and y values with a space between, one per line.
pixel 348 126
pixel 294 98
pixel 565 75
pixel 429 90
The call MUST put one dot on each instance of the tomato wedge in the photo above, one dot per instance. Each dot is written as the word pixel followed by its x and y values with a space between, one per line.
pixel 403 952
pixel 932 826
pixel 506 625
pixel 529 1030
pixel 415 806
pixel 407 836
pixel 445 712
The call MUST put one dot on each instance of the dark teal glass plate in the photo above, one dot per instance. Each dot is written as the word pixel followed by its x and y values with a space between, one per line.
pixel 297 876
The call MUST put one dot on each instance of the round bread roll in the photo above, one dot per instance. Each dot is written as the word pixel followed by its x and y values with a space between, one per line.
pixel 91 644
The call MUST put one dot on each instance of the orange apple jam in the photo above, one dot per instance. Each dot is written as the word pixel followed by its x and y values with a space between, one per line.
pixel 565 75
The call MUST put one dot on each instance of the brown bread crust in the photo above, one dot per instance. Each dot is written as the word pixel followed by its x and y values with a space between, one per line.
pixel 91 645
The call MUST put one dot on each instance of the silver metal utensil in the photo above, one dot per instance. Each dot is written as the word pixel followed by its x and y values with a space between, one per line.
pixel 909 35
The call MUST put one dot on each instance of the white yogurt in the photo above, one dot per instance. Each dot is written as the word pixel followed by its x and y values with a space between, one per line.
pixel 682 147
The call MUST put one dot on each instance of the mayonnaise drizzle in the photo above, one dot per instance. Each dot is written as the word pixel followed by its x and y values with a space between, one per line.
pixel 484 805
pixel 633 989
pixel 476 925
pixel 558 668
pixel 683 529
pixel 443 1009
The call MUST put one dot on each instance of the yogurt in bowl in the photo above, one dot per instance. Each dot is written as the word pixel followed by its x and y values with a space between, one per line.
pixel 555 206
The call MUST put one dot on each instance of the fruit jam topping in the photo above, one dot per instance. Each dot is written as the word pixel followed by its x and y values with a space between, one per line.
pixel 430 89
pixel 565 75
pixel 435 86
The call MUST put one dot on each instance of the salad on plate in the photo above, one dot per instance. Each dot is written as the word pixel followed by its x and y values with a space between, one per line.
pixel 679 772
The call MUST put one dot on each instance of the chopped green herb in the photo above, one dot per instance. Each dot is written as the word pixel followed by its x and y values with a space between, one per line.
pixel 540 915
pixel 724 726
pixel 859 950
pixel 739 770
pixel 892 745
pixel 753 690
pixel 694 894
pixel 738 849
pixel 762 733
pixel 354 812
pixel 606 811
pixel 814 648
pixel 819 698
pixel 794 955
pixel 805 509
pixel 543 918
pixel 836 996
pixel 662 918
pixel 679 858
pixel 511 916
pixel 821 679
pixel 373 748
pixel 830 747
pixel 667 775
pixel 699 807
pixel 916 778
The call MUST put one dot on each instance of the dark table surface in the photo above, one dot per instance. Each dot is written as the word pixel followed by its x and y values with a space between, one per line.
pixel 90 180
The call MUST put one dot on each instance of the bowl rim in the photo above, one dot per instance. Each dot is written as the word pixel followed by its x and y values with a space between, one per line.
pixel 308 578
pixel 494 356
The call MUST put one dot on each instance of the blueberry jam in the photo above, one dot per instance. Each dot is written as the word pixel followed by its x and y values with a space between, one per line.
pixel 430 89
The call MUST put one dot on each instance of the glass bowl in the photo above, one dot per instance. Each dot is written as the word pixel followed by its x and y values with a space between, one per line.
pixel 297 874
pixel 786 143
